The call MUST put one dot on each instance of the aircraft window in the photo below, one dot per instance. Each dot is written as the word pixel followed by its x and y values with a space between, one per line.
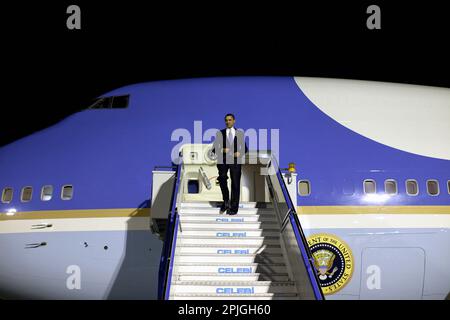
pixel 101 103
pixel 46 193
pixel 7 195
pixel 111 102
pixel 67 192
pixel 26 194
pixel 370 186
pixel 390 186
pixel 412 188
pixel 120 101
pixel 432 187
pixel 304 188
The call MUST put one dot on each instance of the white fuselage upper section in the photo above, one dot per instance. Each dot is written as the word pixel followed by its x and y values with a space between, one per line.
pixel 410 118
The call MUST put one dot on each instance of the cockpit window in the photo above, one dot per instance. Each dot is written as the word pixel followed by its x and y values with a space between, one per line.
pixel 114 102
pixel 101 103
pixel 120 101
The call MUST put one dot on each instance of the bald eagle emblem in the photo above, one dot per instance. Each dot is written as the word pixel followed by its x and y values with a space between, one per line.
pixel 333 261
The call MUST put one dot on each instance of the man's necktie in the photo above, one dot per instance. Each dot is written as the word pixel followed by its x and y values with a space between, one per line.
pixel 230 137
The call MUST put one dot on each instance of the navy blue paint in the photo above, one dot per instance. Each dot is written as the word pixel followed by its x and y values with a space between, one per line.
pixel 299 236
pixel 165 271
pixel 107 154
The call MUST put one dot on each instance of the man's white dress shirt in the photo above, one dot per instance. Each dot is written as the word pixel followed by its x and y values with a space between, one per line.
pixel 233 132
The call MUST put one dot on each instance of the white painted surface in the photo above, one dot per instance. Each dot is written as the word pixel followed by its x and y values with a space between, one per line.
pixel 411 118
pixel 374 221
pixel 76 224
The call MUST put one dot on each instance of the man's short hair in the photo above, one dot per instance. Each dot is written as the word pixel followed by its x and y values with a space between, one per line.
pixel 230 115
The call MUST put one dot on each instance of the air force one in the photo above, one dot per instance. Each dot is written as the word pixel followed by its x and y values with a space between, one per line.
pixel 344 195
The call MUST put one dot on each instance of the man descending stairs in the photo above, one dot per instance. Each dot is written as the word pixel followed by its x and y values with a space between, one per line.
pixel 218 256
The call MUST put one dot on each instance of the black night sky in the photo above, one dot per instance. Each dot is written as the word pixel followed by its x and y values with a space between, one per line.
pixel 49 72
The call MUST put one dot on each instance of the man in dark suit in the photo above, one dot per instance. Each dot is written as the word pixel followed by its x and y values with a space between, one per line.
pixel 230 148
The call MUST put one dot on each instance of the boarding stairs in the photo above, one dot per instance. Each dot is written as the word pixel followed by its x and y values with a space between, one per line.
pixel 219 256
pixel 258 254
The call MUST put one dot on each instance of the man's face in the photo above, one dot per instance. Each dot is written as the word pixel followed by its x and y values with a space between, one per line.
pixel 229 121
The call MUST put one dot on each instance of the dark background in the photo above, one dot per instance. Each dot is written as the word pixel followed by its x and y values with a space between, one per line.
pixel 49 72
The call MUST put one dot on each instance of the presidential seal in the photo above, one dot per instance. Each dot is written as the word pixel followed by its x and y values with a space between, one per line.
pixel 333 261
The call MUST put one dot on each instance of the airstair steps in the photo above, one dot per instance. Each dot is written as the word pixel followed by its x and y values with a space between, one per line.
pixel 237 258
pixel 216 204
pixel 223 218
pixel 229 268
pixel 228 249
pixel 232 287
pixel 195 276
pixel 234 225
pixel 226 232
pixel 218 256
pixel 248 211
pixel 259 241
pixel 256 296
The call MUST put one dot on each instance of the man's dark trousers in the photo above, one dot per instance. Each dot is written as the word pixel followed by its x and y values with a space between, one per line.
pixel 235 174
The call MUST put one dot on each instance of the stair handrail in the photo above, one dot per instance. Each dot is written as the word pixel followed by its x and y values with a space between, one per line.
pixel 308 259
pixel 168 251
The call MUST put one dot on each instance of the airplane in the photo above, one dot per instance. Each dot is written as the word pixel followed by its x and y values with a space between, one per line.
pixel 345 194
